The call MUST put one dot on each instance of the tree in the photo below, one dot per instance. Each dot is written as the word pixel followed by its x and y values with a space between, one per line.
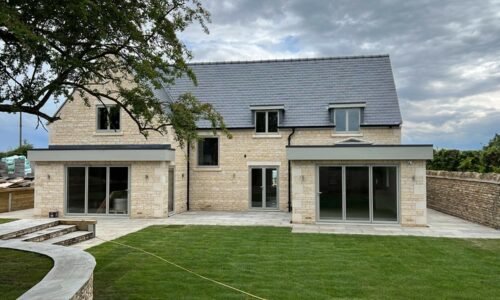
pixel 52 49
pixel 491 155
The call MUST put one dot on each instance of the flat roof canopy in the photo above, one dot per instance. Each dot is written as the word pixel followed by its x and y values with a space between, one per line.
pixel 360 152
pixel 82 153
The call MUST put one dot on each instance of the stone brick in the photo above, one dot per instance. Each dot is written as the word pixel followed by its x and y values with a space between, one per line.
pixel 470 196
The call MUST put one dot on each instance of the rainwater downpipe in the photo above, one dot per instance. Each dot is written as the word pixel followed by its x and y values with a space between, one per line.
pixel 290 174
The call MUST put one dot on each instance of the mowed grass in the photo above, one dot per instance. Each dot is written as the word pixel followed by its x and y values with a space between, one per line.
pixel 274 263
pixel 20 271
pixel 6 220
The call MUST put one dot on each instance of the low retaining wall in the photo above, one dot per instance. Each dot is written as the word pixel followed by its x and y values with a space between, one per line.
pixel 16 199
pixel 71 277
pixel 468 195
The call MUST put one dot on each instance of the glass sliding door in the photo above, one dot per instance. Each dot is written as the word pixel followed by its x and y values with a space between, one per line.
pixel 330 193
pixel 264 187
pixel 75 191
pixel 171 177
pixel 358 193
pixel 385 194
pixel 118 190
pixel 357 198
pixel 271 188
pixel 97 190
pixel 257 189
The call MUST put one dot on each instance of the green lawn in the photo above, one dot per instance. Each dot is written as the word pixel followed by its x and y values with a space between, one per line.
pixel 6 220
pixel 19 271
pixel 273 263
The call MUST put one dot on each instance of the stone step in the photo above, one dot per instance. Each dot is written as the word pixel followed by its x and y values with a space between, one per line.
pixel 22 227
pixel 48 233
pixel 70 238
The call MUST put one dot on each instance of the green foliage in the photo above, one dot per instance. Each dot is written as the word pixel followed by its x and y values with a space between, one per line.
pixel 50 49
pixel 483 161
pixel 491 155
pixel 23 150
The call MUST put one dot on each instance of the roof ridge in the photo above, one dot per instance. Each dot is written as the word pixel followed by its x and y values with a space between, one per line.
pixel 287 59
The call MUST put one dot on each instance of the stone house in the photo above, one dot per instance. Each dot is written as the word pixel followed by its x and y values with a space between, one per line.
pixel 320 138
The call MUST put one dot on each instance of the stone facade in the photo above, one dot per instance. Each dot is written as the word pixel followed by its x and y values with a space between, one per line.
pixel 470 196
pixel 225 187
pixel 148 187
pixel 412 206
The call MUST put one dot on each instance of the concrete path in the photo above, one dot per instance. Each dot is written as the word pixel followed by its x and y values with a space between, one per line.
pixel 439 225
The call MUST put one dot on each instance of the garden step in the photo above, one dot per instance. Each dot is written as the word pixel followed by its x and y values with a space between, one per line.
pixel 70 238
pixel 22 227
pixel 48 233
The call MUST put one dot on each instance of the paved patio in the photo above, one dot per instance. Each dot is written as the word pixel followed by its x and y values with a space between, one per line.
pixel 440 225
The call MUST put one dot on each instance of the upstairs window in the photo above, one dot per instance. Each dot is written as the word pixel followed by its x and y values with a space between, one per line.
pixel 208 151
pixel 266 121
pixel 108 117
pixel 347 119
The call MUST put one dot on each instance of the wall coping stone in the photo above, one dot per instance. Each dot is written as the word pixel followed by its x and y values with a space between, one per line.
pixel 466 176
pixel 72 271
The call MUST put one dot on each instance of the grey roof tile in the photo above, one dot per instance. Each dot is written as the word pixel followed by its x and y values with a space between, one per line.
pixel 304 86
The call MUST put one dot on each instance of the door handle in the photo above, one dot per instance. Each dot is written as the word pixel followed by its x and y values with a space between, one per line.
pixel 319 193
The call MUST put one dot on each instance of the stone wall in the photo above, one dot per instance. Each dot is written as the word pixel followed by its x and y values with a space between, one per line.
pixel 20 198
pixel 412 190
pixel 470 196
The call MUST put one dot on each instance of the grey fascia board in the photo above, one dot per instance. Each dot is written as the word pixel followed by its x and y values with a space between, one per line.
pixel 360 153
pixel 267 107
pixel 102 155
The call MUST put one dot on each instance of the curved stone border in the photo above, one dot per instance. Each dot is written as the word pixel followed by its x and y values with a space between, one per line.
pixel 71 277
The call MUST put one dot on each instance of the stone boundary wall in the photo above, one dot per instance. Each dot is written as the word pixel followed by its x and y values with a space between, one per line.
pixel 20 198
pixel 468 195
pixel 71 277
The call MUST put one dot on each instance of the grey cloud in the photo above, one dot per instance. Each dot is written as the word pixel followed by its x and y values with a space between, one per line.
pixel 447 50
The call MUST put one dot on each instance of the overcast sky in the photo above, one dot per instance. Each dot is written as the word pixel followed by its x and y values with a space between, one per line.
pixel 445 56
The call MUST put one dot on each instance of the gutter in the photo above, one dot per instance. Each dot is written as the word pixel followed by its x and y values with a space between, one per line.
pixel 290 173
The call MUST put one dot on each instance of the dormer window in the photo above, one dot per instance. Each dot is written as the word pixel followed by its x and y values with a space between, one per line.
pixel 266 121
pixel 108 117
pixel 347 117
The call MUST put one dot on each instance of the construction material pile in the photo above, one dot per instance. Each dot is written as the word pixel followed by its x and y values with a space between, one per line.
pixel 15 172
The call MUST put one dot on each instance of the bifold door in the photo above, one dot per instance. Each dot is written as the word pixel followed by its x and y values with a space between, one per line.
pixel 97 190
pixel 358 193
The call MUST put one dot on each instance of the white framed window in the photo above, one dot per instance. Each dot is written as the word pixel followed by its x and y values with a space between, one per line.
pixel 347 119
pixel 266 121
pixel 208 152
pixel 108 118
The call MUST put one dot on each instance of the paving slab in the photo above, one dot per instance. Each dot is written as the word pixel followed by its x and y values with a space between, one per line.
pixel 439 225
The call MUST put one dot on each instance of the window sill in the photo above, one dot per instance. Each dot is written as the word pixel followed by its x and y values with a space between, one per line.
pixel 106 133
pixel 344 134
pixel 207 169
pixel 267 136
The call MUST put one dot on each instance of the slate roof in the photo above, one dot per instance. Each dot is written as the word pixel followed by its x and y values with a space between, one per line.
pixel 304 86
